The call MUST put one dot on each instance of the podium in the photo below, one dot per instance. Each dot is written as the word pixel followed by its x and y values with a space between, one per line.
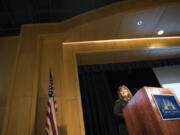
pixel 142 115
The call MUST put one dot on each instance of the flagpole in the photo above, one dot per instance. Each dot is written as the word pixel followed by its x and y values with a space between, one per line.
pixel 51 124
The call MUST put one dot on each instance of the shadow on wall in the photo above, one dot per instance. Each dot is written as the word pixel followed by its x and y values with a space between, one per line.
pixel 62 130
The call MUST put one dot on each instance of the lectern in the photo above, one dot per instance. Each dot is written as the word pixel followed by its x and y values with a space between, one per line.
pixel 143 117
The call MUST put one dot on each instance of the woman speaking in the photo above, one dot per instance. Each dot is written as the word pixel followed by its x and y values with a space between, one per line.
pixel 124 97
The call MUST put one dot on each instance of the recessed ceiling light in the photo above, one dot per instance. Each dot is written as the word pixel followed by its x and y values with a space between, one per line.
pixel 139 23
pixel 160 32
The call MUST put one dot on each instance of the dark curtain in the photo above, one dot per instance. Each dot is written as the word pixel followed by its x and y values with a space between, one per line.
pixel 134 79
pixel 97 101
pixel 99 92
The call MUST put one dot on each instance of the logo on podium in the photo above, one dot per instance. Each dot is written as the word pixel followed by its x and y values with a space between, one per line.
pixel 168 106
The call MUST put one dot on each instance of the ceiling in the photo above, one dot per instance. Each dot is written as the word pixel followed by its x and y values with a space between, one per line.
pixel 17 12
pixel 13 13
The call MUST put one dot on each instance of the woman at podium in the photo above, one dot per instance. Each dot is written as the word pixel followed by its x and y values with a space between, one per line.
pixel 125 96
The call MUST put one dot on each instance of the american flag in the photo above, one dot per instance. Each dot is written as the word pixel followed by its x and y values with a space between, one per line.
pixel 51 125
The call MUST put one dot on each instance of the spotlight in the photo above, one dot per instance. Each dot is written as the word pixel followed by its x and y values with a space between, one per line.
pixel 160 32
pixel 139 23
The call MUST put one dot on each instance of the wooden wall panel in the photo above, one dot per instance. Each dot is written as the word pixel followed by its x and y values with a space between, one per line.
pixel 68 116
pixel 22 85
pixel 8 47
pixel 71 87
pixel 50 57
pixel 126 56
pixel 114 51
pixel 21 118
pixel 69 74
pixel 71 117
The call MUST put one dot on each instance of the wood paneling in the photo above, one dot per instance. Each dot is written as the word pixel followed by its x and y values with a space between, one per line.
pixel 8 46
pixel 127 56
pixel 114 51
pixel 68 98
pixel 21 119
pixel 26 63
pixel 51 58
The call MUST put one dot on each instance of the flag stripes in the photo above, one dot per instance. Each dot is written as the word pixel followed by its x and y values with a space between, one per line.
pixel 51 125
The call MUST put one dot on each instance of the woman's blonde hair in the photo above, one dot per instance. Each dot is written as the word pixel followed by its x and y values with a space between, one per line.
pixel 120 88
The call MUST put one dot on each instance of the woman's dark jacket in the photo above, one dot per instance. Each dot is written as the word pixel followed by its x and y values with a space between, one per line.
pixel 118 111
